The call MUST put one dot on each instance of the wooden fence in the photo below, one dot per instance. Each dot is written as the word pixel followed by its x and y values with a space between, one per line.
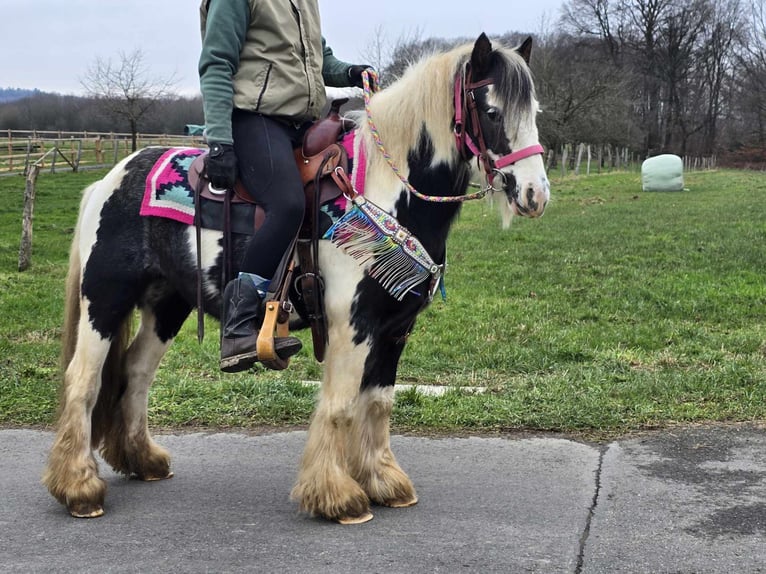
pixel 74 151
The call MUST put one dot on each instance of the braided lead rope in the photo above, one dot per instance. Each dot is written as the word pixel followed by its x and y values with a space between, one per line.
pixel 368 74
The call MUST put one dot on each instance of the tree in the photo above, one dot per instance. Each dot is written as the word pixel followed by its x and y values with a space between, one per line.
pixel 595 18
pixel 124 89
pixel 751 82
pixel 581 94
pixel 377 52
pixel 717 58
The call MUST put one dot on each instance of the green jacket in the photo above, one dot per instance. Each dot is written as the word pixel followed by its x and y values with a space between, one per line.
pixel 266 56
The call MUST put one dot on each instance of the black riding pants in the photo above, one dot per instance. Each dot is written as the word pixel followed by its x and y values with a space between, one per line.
pixel 264 149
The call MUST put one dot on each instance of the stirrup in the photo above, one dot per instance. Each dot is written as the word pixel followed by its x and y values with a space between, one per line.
pixel 275 321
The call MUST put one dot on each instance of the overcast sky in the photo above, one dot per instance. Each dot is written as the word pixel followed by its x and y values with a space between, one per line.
pixel 49 44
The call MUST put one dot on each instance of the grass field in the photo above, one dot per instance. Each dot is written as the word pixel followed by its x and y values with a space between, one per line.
pixel 619 310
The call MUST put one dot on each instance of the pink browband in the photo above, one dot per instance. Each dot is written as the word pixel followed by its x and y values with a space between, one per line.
pixel 464 100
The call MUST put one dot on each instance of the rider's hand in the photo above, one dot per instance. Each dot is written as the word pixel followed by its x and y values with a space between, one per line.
pixel 221 165
pixel 355 75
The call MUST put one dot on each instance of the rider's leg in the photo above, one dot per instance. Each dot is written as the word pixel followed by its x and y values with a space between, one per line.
pixel 264 149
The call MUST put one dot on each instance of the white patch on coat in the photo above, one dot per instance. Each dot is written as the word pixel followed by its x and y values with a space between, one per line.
pixel 210 240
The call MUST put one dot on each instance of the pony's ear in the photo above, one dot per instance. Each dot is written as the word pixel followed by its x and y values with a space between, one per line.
pixel 525 50
pixel 480 61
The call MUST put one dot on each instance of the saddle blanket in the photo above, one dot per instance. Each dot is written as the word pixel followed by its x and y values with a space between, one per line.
pixel 168 192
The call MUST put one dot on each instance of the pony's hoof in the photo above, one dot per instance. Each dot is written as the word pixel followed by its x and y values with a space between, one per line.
pixel 401 503
pixel 149 478
pixel 86 510
pixel 361 519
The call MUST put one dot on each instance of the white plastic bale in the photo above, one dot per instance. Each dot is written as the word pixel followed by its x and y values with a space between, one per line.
pixel 663 173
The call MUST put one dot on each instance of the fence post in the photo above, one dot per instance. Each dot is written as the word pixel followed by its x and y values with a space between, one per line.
pixel 98 150
pixel 580 151
pixel 76 167
pixel 27 158
pixel 25 250
pixel 564 157
pixel 10 151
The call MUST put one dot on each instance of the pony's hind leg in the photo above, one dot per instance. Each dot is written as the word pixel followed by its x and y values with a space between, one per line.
pixel 127 444
pixel 71 475
pixel 371 461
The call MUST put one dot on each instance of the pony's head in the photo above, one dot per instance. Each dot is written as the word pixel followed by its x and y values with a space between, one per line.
pixel 495 121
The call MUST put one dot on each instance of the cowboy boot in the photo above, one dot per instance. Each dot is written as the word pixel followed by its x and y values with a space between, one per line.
pixel 241 319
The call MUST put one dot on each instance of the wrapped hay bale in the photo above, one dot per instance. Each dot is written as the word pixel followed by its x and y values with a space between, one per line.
pixel 663 173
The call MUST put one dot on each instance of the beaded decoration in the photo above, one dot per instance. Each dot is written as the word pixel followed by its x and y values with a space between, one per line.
pixel 399 260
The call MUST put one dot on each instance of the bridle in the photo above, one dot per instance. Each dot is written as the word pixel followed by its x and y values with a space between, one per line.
pixel 473 144
pixel 465 102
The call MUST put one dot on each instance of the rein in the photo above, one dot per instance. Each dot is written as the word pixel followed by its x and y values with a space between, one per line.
pixel 465 102
pixel 368 90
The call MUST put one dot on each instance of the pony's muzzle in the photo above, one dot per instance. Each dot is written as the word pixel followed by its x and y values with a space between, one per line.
pixel 530 198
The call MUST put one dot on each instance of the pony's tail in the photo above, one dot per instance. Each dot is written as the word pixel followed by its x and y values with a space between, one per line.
pixel 72 292
pixel 113 380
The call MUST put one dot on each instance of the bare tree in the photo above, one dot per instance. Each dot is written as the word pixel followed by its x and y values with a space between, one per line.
pixel 125 90
pixel 581 95
pixel 377 53
pixel 680 34
pixel 597 18
pixel 717 61
pixel 410 48
pixel 751 85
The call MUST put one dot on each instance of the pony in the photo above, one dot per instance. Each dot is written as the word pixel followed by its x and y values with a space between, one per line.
pixel 474 104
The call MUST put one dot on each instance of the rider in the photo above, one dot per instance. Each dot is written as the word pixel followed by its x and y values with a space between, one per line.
pixel 263 69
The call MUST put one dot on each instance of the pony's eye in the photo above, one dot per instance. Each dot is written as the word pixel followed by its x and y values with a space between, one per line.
pixel 493 114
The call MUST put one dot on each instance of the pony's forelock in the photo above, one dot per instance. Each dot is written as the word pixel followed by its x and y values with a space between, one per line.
pixel 516 88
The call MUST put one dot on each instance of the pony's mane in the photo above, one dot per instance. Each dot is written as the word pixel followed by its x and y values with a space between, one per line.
pixel 423 97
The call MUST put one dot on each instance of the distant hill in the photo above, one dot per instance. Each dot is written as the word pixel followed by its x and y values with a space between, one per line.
pixel 12 94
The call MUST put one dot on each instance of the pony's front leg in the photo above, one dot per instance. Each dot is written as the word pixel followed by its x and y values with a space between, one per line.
pixel 371 461
pixel 71 475
pixel 325 487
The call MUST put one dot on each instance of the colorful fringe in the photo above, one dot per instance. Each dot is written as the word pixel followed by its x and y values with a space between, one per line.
pixel 399 260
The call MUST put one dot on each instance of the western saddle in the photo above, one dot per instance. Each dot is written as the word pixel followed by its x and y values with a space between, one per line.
pixel 323 163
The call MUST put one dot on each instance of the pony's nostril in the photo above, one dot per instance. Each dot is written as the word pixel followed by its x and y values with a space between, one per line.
pixel 531 203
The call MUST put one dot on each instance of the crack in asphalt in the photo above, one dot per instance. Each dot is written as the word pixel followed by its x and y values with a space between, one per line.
pixel 591 512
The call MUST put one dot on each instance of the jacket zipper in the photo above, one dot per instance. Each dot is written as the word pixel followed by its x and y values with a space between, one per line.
pixel 263 89
pixel 297 14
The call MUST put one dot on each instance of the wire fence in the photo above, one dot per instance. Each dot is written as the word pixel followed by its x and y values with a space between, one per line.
pixel 586 159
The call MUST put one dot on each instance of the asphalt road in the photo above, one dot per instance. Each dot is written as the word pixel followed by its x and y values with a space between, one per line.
pixel 683 501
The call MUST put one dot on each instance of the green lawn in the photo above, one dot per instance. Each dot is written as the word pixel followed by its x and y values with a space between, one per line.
pixel 618 310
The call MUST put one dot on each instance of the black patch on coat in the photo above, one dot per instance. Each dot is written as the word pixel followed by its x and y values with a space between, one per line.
pixel 375 315
pixel 145 261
